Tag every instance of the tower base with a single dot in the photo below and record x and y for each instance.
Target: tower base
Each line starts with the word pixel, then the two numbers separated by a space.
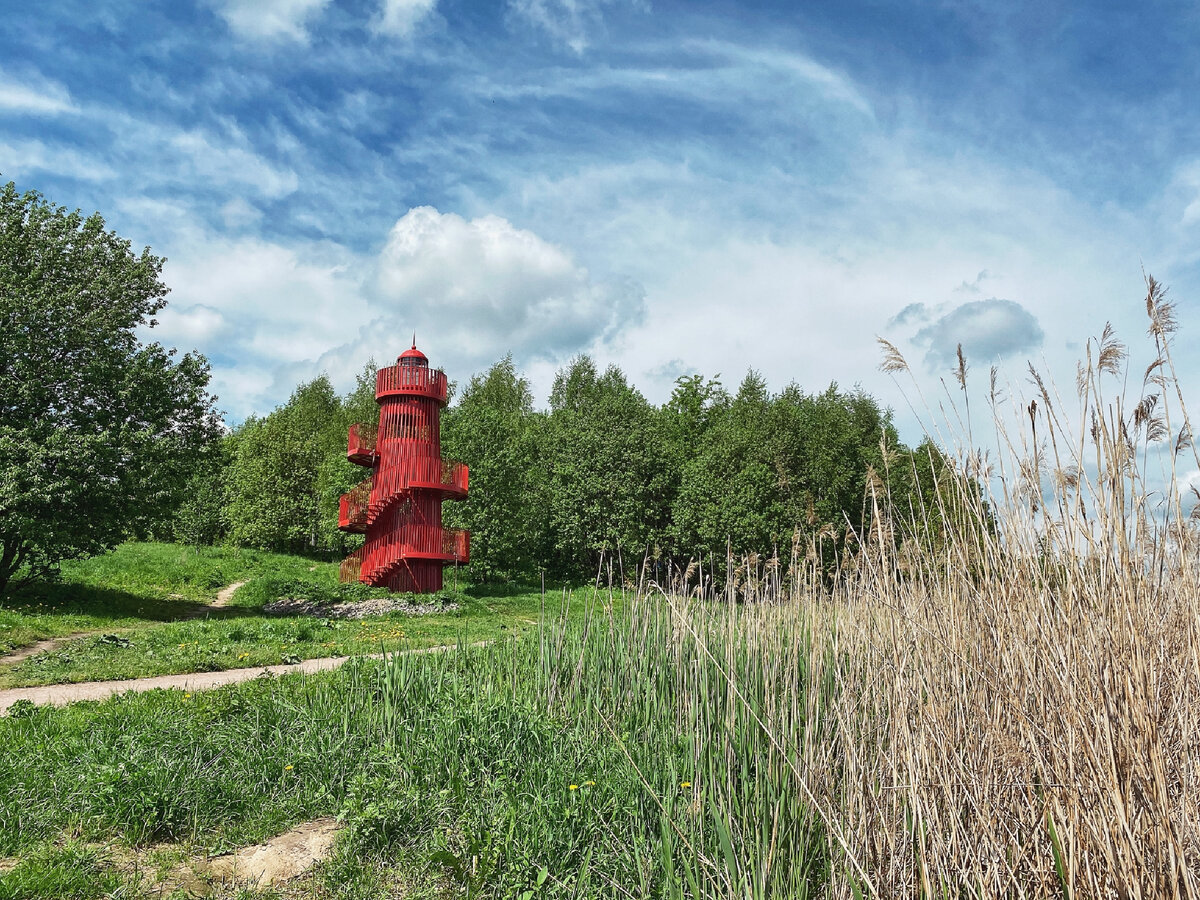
pixel 417 576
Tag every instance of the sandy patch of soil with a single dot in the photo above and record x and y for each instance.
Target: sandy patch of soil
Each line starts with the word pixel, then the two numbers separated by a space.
pixel 288 606
pixel 280 859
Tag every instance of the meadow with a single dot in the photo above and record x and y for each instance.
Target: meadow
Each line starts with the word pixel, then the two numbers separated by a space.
pixel 1003 705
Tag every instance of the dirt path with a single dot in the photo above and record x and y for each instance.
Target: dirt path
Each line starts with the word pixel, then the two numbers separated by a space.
pixel 224 595
pixel 17 656
pixel 45 646
pixel 62 694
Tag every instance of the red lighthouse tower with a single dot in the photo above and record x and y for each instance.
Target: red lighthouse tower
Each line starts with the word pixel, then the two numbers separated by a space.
pixel 399 506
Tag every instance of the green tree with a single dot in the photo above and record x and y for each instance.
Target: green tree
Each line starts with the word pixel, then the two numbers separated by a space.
pixel 494 430
pixel 287 470
pixel 99 432
pixel 272 480
pixel 200 518
pixel 607 459
pixel 771 467
pixel 729 493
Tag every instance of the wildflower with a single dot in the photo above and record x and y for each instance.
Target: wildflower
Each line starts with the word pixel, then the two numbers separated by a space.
pixel 574 787
pixel 685 784
pixel 287 768
pixel 187 696
pixel 590 783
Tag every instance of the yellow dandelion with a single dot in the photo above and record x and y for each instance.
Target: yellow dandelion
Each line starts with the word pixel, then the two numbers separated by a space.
pixel 685 784
pixel 287 768
pixel 590 783
pixel 187 696
pixel 574 787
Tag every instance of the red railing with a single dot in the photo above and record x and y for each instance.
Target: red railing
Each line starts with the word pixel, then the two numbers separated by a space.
pixel 375 561
pixel 411 531
pixel 456 545
pixel 354 507
pixel 410 470
pixel 419 380
pixel 351 567
pixel 361 443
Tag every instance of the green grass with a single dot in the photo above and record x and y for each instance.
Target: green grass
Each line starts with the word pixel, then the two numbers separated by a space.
pixel 595 745
pixel 127 599
pixel 602 750
pixel 70 872
pixel 133 585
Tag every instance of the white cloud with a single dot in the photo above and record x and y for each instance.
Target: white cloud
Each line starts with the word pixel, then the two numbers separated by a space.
pixel 472 291
pixel 189 326
pixel 269 19
pixel 568 22
pixel 34 94
pixel 264 311
pixel 238 213
pixel 489 287
pixel 400 17
pixel 21 158
pixel 202 158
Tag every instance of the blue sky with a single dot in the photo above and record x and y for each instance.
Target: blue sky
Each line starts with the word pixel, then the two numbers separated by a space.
pixel 672 187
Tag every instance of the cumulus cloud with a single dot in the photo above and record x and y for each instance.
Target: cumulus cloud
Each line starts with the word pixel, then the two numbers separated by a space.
pixel 400 17
pixel 190 326
pixel 987 330
pixel 491 287
pixel 269 19
pixel 471 289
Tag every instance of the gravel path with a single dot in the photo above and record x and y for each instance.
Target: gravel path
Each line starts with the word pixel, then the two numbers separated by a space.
pixel 62 694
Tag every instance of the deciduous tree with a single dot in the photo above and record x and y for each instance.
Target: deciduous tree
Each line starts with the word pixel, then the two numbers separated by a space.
pixel 99 431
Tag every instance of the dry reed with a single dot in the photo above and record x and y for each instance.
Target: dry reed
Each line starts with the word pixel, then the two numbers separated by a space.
pixel 1013 709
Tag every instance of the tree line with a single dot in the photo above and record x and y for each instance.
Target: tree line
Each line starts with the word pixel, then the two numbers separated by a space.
pixel 602 471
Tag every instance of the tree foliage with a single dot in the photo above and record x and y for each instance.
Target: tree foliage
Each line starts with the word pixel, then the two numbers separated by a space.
pixel 494 426
pixel 288 469
pixel 99 432
pixel 606 457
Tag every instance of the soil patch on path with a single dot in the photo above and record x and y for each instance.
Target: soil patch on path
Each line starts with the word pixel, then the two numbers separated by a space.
pixel 224 595
pixel 19 656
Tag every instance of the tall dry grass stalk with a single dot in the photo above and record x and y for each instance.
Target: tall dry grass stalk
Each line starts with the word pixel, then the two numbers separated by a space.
pixel 1013 709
